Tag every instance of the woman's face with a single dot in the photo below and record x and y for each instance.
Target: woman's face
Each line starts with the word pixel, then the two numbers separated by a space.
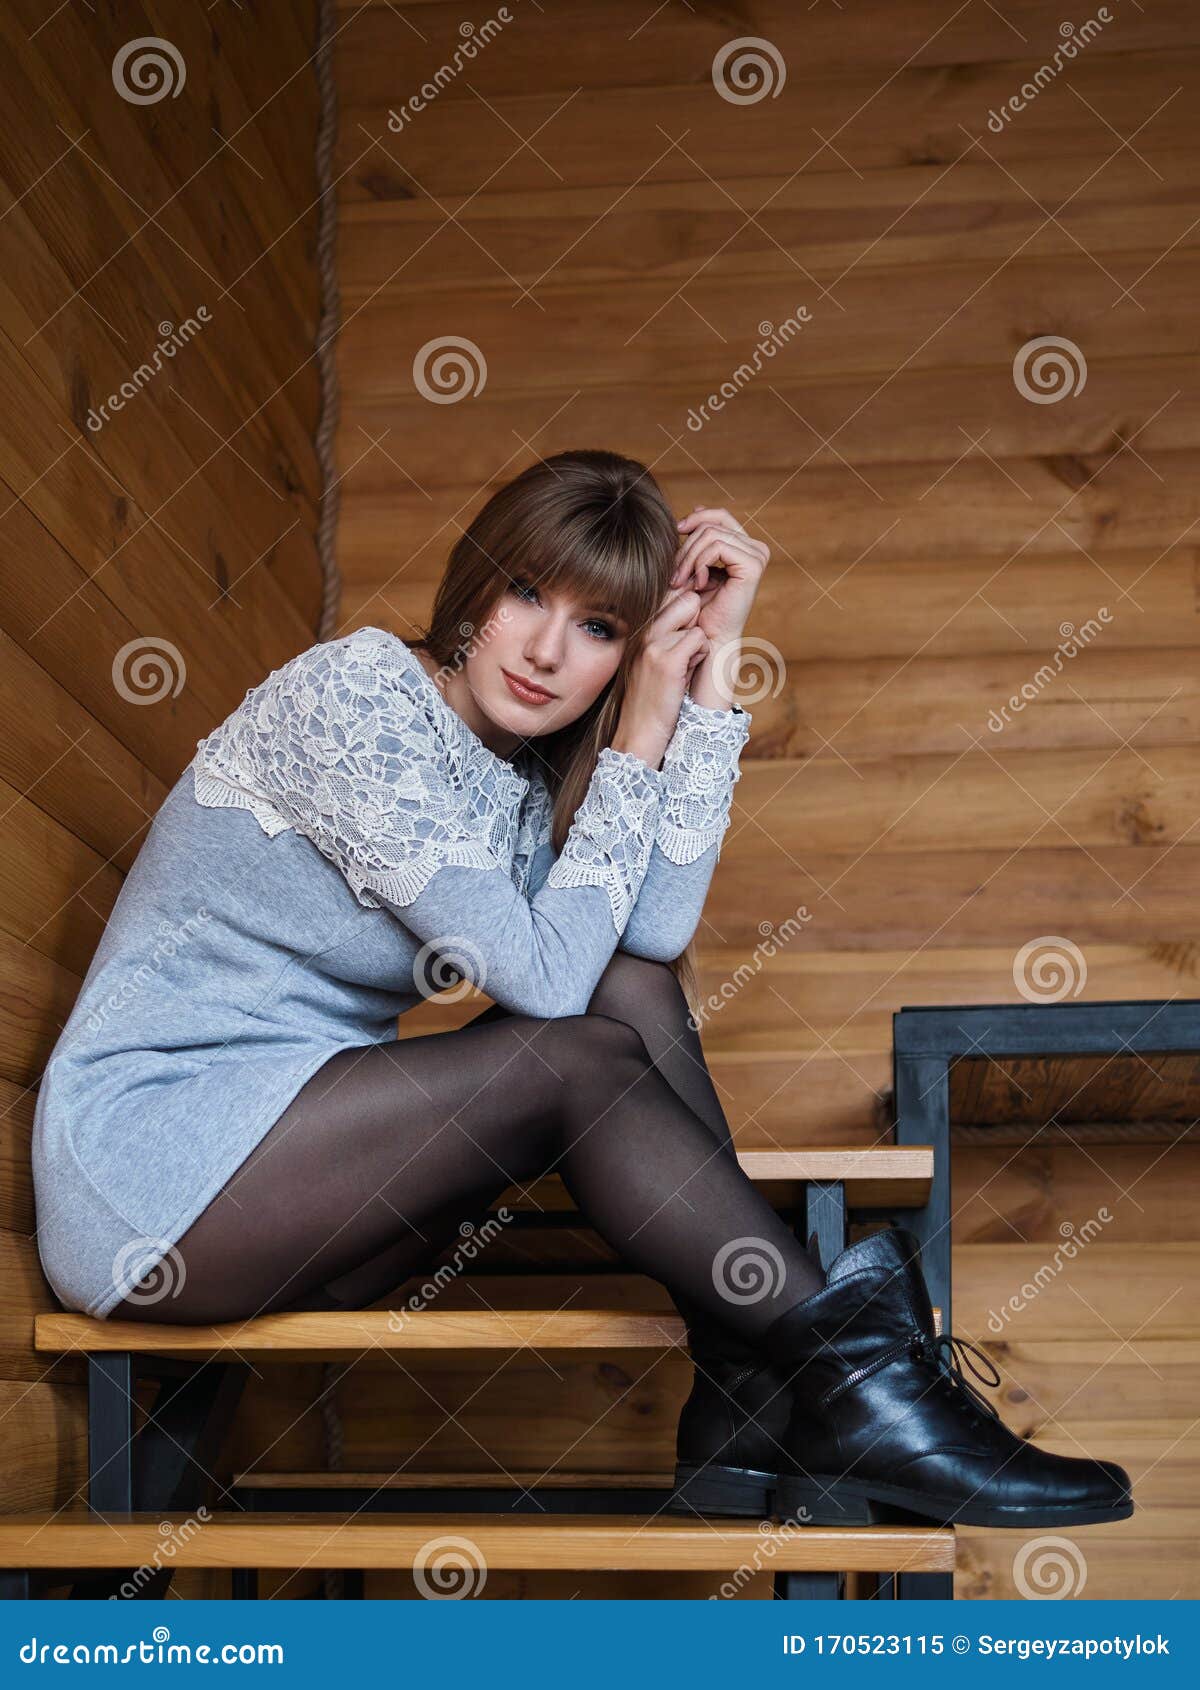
pixel 568 650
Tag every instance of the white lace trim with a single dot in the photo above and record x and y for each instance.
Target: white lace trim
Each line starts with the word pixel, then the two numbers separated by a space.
pixel 700 770
pixel 613 832
pixel 351 745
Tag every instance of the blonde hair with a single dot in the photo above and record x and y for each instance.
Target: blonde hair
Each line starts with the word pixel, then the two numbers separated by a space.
pixel 590 523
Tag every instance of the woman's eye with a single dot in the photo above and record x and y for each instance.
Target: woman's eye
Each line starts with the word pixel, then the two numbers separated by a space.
pixel 607 631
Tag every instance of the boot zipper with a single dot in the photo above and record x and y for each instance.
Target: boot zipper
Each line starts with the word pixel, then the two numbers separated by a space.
pixel 745 1373
pixel 873 1366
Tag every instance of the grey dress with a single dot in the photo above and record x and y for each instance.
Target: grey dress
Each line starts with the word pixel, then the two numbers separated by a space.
pixel 340 848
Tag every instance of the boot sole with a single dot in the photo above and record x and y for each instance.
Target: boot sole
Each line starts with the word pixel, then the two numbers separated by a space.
pixel 829 1501
pixel 722 1490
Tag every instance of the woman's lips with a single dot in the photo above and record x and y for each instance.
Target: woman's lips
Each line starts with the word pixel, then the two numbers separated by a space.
pixel 527 695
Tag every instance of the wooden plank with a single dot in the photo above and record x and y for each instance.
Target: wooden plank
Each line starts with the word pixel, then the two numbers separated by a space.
pixel 878 326
pixel 911 118
pixel 56 893
pixel 997 1091
pixel 406 1479
pixel 314 1336
pixel 66 70
pixel 228 1539
pixel 934 588
pixel 1123 1293
pixel 1118 1562
pixel 544 237
pixel 68 764
pixel 1029 1196
pixel 910 423
pixel 597 56
pixel 875 1177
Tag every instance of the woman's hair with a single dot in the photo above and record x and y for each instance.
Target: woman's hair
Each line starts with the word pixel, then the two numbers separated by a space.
pixel 590 523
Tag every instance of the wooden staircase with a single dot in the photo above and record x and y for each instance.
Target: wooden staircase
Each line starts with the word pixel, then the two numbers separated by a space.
pixel 150 1488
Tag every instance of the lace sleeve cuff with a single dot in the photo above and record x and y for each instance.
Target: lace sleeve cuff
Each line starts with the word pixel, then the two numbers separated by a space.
pixel 700 770
pixel 613 832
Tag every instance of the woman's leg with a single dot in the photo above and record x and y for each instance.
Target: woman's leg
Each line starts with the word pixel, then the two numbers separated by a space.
pixel 386 1139
pixel 648 997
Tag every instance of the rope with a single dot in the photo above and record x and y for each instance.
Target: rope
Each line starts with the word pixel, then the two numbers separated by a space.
pixel 330 323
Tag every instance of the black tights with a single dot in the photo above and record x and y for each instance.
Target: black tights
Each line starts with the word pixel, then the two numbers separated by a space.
pixel 372 1169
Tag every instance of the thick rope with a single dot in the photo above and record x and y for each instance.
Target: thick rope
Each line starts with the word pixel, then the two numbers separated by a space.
pixel 330 323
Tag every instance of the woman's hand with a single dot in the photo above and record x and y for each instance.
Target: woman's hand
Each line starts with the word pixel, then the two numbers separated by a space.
pixel 675 645
pixel 714 541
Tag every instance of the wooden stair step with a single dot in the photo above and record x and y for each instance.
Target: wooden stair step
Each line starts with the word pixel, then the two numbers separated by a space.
pixel 886 1176
pixel 344 1479
pixel 321 1336
pixel 581 1543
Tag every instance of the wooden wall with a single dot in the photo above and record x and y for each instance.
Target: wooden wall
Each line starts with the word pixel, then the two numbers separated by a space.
pixel 184 520
pixel 614 238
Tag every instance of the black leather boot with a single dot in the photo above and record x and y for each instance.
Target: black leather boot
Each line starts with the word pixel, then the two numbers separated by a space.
pixel 732 1426
pixel 884 1418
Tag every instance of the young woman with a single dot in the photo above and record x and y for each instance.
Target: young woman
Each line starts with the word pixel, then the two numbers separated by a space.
pixel 534 794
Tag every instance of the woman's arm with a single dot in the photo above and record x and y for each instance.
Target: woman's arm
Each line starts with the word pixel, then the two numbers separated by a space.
pixel 543 954
pixel 699 772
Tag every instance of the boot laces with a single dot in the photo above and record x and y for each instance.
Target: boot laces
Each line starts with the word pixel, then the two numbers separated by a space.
pixel 952 1356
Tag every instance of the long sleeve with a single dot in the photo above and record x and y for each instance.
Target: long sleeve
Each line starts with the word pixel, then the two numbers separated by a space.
pixel 543 954
pixel 351 745
pixel 699 772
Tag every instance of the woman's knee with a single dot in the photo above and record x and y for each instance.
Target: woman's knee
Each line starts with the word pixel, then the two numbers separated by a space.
pixel 591 1042
pixel 637 989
